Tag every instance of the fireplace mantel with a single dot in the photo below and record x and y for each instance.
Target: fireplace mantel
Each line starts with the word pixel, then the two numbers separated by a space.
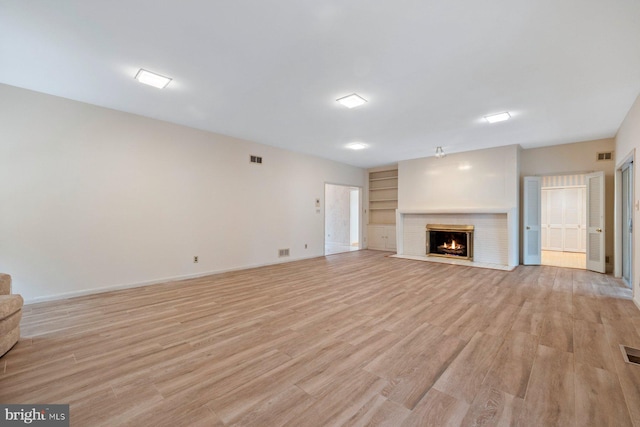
pixel 497 210
pixel 507 216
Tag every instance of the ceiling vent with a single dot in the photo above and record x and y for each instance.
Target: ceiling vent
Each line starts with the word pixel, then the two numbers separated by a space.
pixel 255 159
pixel 605 156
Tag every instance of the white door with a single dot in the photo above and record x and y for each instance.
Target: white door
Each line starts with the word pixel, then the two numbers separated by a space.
pixel 573 207
pixel 391 237
pixel 595 222
pixel 377 237
pixel 531 218
pixel 555 240
pixel 544 219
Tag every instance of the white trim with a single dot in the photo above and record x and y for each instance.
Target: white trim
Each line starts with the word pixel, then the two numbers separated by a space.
pixel 399 232
pixel 617 226
pixel 111 288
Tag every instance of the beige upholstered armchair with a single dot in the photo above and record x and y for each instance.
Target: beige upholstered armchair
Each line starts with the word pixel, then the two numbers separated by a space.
pixel 10 315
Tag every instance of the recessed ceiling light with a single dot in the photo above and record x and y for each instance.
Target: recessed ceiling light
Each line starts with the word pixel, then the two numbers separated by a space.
pixel 500 117
pixel 152 79
pixel 351 101
pixel 357 146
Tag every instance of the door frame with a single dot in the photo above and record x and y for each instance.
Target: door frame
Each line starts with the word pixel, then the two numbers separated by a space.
pixel 532 258
pixel 324 213
pixel 618 226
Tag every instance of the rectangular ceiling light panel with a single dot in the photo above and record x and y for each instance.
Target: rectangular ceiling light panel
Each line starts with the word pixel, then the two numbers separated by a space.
pixel 500 117
pixel 357 146
pixel 152 79
pixel 351 101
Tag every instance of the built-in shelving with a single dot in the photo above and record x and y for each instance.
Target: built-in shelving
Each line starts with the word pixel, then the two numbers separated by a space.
pixel 383 196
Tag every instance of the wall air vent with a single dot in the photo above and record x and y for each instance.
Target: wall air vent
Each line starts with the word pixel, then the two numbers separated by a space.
pixel 605 156
pixel 283 252
pixel 255 159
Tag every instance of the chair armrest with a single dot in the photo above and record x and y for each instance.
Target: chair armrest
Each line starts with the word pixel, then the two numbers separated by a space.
pixel 5 284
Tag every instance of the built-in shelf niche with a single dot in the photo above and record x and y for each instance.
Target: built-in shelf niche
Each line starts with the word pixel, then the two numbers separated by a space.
pixel 383 196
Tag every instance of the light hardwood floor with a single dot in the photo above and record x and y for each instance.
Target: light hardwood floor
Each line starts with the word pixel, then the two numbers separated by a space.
pixel 352 339
pixel 564 259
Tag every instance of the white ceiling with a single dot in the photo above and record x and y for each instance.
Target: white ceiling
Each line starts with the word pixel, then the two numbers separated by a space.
pixel 270 72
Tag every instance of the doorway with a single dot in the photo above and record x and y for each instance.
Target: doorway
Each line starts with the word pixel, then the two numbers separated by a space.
pixel 594 238
pixel 341 219
pixel 564 221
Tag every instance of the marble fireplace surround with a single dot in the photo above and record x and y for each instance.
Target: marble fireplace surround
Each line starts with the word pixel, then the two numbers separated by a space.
pixel 495 238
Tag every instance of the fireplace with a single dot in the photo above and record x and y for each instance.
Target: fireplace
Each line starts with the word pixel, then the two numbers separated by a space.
pixel 451 241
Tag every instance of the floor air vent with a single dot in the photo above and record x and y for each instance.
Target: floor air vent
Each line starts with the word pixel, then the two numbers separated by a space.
pixel 283 252
pixel 631 355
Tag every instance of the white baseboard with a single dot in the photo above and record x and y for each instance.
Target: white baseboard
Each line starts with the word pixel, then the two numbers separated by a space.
pixel 111 288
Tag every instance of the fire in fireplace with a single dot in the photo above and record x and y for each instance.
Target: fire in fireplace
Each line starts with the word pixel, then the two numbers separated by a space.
pixel 448 240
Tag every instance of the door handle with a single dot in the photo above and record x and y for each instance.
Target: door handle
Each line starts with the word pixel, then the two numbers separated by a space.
pixel 599 230
pixel 528 228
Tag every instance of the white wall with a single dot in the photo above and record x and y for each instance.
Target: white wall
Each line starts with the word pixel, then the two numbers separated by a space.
pixel 627 142
pixel 475 179
pixel 93 198
pixel 469 185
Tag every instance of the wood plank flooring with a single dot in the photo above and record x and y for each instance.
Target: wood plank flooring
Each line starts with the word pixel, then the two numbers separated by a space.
pixel 352 339
pixel 564 259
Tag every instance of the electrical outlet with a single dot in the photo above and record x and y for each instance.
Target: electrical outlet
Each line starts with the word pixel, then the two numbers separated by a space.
pixel 195 259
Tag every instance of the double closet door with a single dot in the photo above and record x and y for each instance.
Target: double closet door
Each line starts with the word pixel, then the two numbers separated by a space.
pixel 564 219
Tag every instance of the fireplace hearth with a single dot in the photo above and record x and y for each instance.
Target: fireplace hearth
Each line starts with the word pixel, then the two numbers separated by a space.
pixel 451 241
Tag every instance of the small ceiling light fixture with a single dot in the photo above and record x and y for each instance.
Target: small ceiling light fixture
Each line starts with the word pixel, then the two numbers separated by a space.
pixel 357 146
pixel 440 152
pixel 352 101
pixel 500 117
pixel 152 79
